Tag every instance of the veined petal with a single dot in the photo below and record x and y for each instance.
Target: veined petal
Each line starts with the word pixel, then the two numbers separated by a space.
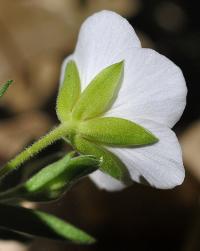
pixel 153 88
pixel 160 164
pixel 102 36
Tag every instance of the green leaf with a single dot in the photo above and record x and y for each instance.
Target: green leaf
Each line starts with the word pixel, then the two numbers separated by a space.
pixel 4 87
pixel 15 177
pixel 38 223
pixel 116 131
pixel 109 164
pixel 69 92
pixel 100 93
pixel 52 181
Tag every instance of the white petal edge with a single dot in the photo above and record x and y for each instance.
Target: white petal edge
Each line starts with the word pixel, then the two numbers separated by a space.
pixel 105 181
pixel 159 164
pixel 153 88
pixel 101 37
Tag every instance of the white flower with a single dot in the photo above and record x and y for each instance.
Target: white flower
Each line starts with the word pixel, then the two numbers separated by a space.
pixel 152 94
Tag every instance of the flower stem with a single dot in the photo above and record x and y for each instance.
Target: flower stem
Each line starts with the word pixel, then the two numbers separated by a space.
pixel 48 139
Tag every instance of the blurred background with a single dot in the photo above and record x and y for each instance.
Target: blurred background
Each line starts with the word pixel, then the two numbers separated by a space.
pixel 35 37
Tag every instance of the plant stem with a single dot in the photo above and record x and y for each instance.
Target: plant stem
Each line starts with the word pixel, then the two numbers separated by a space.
pixel 54 135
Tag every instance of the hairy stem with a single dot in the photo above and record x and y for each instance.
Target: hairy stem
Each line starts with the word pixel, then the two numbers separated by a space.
pixel 48 139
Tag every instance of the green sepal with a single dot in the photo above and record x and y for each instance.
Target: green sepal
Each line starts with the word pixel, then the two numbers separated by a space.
pixel 116 131
pixel 69 92
pixel 4 87
pixel 109 164
pixel 41 224
pixel 100 93
pixel 53 181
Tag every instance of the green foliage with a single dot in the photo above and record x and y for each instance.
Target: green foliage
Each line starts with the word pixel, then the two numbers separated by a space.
pixel 100 93
pixel 4 87
pixel 69 92
pixel 116 131
pixel 48 184
pixel 52 181
pixel 37 223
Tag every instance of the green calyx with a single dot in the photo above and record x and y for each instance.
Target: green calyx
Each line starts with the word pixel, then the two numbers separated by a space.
pixel 82 112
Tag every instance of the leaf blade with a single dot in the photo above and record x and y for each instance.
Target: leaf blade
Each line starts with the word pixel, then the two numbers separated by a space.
pixel 54 180
pixel 116 131
pixel 60 179
pixel 38 223
pixel 100 93
pixel 69 92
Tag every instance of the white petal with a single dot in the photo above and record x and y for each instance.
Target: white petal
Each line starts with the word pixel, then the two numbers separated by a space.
pixel 153 88
pixel 104 181
pixel 101 37
pixel 159 164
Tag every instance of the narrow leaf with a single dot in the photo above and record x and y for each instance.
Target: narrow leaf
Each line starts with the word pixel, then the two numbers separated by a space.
pixel 4 87
pixel 109 164
pixel 116 131
pixel 52 181
pixel 69 92
pixel 100 93
pixel 38 223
